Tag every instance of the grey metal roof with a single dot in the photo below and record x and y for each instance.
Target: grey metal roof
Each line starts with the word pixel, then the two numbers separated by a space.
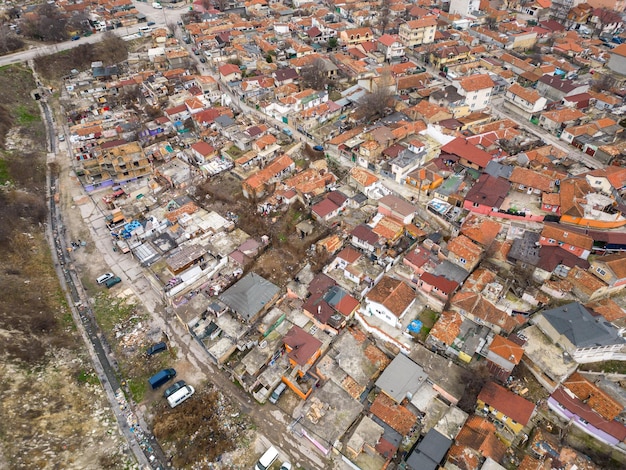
pixel 401 378
pixel 434 445
pixel 499 170
pixel 582 329
pixel 249 295
pixel 526 249
pixel 451 271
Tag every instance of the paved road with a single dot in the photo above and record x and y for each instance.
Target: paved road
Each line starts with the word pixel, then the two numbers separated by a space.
pixel 160 18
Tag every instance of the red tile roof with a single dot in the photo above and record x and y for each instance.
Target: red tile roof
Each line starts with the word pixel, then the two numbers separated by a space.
pixel 480 435
pixel 463 149
pixel 600 401
pixel 512 405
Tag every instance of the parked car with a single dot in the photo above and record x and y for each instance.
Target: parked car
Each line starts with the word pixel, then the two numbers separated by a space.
pixel 267 459
pixel 161 377
pixel 285 466
pixel 75 38
pixel 318 148
pixel 203 60
pixel 104 278
pixel 278 391
pixel 150 23
pixel 111 282
pixel 180 396
pixel 156 348
pixel 173 388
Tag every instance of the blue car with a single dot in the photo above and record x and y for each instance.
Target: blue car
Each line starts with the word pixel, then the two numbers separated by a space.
pixel 319 148
pixel 75 38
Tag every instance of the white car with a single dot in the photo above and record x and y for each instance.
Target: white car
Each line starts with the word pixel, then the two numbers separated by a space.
pixel 104 278
pixel 157 6
pixel 285 466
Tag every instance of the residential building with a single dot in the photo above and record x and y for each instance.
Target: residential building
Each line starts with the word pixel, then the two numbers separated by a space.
pixel 584 337
pixel 476 89
pixel 503 356
pixel 524 101
pixel 418 32
pixel 464 7
pixel 504 406
pixel 389 301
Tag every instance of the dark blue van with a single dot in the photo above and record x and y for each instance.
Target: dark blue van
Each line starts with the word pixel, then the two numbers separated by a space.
pixel 161 377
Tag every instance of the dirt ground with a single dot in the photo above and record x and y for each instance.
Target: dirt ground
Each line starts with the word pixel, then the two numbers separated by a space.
pixel 286 252
pixel 54 411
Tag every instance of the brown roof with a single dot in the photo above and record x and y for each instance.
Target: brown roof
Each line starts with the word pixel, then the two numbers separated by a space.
pixel 510 404
pixel 532 179
pixel 393 414
pixel 480 435
pixel 571 238
pixel 480 230
pixel 477 306
pixel 394 294
pixel 608 308
pixel 447 328
pixel 465 248
pixel 528 94
pixel 303 345
pixel 600 401
pixel 507 349
pixel 616 263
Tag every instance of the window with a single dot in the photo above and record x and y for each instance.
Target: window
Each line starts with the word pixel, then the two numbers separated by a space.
pixel 572 248
pixel 551 240
pixel 475 204
pixel 462 260
pixel 565 234
pixel 601 271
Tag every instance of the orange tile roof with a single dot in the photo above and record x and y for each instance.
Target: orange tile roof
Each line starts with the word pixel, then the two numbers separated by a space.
pixel 571 238
pixel 528 94
pixel 465 248
pixel 396 416
pixel 506 349
pixel 476 82
pixel 261 177
pixel 600 401
pixel 448 327
pixel 394 294
pixel 480 435
pixel 608 308
pixel 480 230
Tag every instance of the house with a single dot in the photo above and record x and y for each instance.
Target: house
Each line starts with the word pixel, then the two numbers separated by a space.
pixel 257 185
pixel 532 182
pixel 586 338
pixel 467 154
pixel 590 394
pixel 524 101
pixel 487 194
pixel 418 32
pixel 390 47
pixel 557 120
pixel 202 152
pixel 389 300
pixel 480 230
pixel 503 356
pixel 464 7
pixel 554 88
pixel 476 89
pixel 446 330
pixel 437 286
pixel 464 253
pixel 303 349
pixel 612 270
pixel 354 36
pixel 230 73
pixel 617 59
pixel 574 242
pixel 249 297
pixel 401 378
pixel 476 440
pixel 363 237
pixel 396 207
pixel 571 409
pixel 474 306
pixel 324 210
pixel 429 452
pixel 504 406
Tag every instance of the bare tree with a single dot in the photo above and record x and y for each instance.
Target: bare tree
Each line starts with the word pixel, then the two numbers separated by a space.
pixel 375 103
pixel 315 75
pixel 48 25
pixel 383 15
pixel 9 41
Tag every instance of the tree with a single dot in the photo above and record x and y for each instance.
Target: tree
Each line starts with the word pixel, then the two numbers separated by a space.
pixel 474 380
pixel 332 42
pixel 314 75
pixel 48 25
pixel 383 16
pixel 375 103
pixel 9 41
